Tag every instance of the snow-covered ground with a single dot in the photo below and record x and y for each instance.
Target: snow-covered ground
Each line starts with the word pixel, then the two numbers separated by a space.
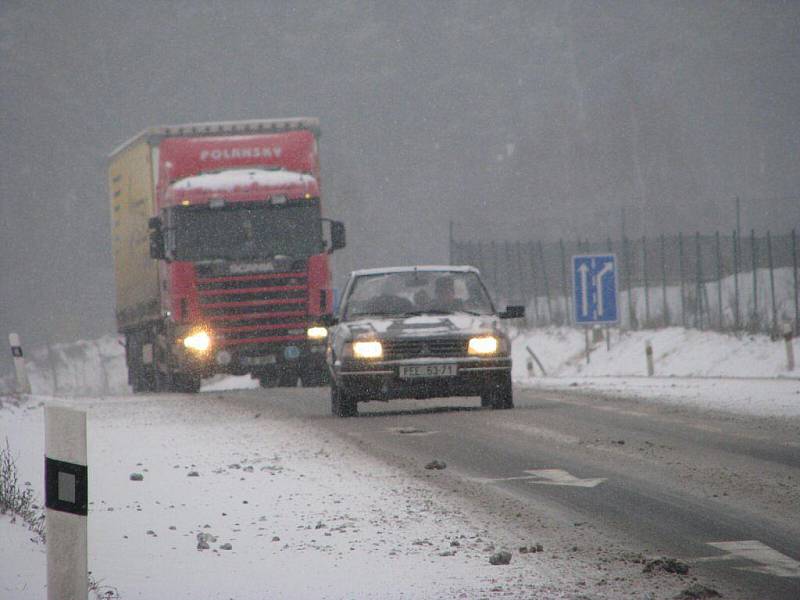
pixel 306 515
pixel 310 516
pixel 745 374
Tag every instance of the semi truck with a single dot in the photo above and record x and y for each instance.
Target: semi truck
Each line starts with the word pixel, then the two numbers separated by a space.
pixel 221 253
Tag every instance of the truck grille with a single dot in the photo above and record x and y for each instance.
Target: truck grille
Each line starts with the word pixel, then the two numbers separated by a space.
pixel 250 309
pixel 443 348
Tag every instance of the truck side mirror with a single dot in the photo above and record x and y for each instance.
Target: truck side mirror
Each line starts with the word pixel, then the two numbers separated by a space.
pixel 513 312
pixel 338 236
pixel 157 250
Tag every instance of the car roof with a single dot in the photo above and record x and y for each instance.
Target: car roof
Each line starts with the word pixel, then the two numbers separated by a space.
pixel 409 269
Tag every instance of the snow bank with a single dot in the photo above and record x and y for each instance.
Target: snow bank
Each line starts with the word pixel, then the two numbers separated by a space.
pixel 677 352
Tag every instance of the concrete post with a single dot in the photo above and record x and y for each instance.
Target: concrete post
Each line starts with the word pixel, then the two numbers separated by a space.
pixel 66 499
pixel 787 336
pixel 23 385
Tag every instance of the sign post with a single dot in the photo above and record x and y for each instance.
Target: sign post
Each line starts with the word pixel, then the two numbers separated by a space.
pixel 66 499
pixel 23 385
pixel 594 287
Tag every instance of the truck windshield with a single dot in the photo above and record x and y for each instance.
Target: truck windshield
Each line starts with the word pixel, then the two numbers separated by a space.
pixel 243 231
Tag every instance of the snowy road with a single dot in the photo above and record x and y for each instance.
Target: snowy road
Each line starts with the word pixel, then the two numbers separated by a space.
pixel 317 507
pixel 720 491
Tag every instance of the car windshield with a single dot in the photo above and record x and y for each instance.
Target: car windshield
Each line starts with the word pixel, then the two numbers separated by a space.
pixel 406 293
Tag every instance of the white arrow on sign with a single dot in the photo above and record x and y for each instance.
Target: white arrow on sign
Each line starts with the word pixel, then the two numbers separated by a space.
pixel 583 269
pixel 551 477
pixel 608 267
pixel 768 560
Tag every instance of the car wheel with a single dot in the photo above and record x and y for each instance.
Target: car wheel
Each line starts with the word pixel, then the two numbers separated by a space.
pixel 499 396
pixel 342 403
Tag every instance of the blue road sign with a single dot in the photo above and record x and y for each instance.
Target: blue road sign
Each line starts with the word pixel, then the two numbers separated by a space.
pixel 594 296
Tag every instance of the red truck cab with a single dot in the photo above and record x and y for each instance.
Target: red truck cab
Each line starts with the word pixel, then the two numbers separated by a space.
pixel 243 258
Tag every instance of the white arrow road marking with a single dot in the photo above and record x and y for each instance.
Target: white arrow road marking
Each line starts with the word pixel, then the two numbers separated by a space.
pixel 608 267
pixel 583 269
pixel 560 477
pixel 768 560
pixel 549 477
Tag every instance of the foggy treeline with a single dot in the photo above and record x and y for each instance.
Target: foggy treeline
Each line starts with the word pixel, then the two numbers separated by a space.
pixel 512 119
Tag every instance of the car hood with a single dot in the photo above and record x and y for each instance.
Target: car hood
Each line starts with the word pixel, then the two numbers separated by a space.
pixel 422 326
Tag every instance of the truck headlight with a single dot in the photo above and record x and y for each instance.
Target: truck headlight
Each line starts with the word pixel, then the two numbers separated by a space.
pixel 317 333
pixel 199 341
pixel 367 349
pixel 486 344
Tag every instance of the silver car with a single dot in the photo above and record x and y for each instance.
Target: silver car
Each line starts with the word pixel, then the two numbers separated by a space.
pixel 418 332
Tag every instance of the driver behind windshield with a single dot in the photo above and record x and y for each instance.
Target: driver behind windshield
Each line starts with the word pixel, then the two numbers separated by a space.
pixel 445 296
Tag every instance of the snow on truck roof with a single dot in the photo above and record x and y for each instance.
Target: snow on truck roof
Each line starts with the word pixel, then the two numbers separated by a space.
pixel 240 178
pixel 386 270
pixel 253 126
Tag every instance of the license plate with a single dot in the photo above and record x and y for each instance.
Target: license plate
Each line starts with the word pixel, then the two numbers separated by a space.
pixel 411 371
pixel 258 360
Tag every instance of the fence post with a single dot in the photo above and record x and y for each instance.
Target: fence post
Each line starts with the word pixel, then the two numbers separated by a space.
pixel 523 289
pixel 736 322
pixel 754 254
pixel 534 289
pixel 720 320
pixel 451 244
pixel 664 305
pixel 495 281
pixel 627 258
pixel 699 281
pixel 796 288
pixel 683 279
pixel 772 285
pixel 546 283
pixel 509 284
pixel 646 286
pixel 564 291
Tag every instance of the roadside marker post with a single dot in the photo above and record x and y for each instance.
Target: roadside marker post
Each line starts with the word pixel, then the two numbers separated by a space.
pixel 66 501
pixel 648 352
pixel 23 384
pixel 595 292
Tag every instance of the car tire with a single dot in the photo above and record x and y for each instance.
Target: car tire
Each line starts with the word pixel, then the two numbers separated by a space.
pixel 342 403
pixel 499 396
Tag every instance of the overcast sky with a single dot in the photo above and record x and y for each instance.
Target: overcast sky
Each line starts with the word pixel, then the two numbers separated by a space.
pixel 516 120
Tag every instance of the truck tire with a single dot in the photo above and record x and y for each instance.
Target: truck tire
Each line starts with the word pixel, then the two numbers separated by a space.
pixel 287 377
pixel 499 396
pixel 186 383
pixel 314 376
pixel 342 403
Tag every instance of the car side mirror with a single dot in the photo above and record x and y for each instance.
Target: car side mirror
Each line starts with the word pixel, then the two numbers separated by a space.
pixel 328 320
pixel 157 249
pixel 513 312
pixel 338 236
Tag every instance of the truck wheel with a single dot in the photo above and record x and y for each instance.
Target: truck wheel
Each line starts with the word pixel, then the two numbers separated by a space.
pixel 314 376
pixel 287 377
pixel 268 380
pixel 342 403
pixel 186 383
pixel 499 396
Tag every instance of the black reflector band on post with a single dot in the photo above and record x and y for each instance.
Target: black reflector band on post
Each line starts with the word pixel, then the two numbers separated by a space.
pixel 16 351
pixel 66 486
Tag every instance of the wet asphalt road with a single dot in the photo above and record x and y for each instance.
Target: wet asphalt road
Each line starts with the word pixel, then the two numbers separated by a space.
pixel 661 479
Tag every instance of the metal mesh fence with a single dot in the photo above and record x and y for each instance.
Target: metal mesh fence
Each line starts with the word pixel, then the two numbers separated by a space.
pixel 715 281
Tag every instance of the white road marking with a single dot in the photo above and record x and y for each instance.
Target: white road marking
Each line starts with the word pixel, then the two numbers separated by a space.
pixel 549 477
pixel 410 431
pixel 768 560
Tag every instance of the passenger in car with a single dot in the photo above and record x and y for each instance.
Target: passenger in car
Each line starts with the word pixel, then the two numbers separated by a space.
pixel 445 295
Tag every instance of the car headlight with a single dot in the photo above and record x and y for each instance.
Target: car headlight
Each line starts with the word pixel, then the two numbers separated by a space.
pixel 367 349
pixel 487 344
pixel 199 341
pixel 317 333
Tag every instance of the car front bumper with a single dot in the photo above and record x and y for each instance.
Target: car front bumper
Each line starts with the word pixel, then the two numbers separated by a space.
pixel 380 380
